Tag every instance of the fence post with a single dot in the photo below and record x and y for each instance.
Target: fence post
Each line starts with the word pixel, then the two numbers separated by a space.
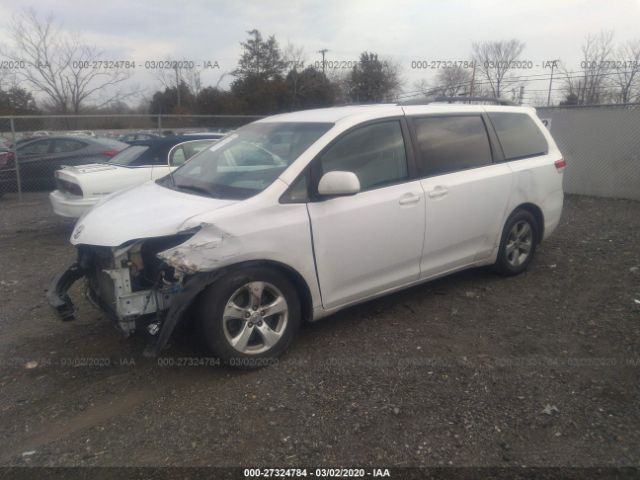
pixel 159 124
pixel 15 158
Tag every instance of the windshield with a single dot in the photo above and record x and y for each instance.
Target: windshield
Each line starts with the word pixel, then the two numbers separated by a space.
pixel 128 155
pixel 247 161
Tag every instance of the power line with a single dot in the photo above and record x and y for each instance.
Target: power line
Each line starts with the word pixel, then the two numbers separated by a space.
pixel 512 80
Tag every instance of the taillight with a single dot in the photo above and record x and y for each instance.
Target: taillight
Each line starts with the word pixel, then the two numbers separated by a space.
pixel 109 153
pixel 70 187
pixel 560 164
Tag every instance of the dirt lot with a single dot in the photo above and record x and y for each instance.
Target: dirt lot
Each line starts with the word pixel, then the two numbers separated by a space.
pixel 538 370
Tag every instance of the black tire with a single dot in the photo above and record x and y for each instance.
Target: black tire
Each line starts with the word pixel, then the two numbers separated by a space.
pixel 216 331
pixel 506 263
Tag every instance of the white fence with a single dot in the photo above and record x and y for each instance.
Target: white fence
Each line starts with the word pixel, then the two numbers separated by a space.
pixel 601 145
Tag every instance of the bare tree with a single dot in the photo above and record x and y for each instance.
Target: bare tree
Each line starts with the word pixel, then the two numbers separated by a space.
pixel 3 78
pixel 294 57
pixel 174 73
pixel 571 84
pixel 59 66
pixel 627 71
pixel 453 81
pixel 495 61
pixel 423 87
pixel 596 67
pixel 194 80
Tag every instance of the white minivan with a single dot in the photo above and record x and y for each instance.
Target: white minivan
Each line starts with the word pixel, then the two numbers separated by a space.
pixel 298 215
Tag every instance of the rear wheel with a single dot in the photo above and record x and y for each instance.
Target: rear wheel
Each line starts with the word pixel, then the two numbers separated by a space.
pixel 249 317
pixel 518 243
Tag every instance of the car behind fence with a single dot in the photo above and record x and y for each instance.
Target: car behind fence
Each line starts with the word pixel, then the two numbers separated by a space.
pixel 32 146
pixel 601 144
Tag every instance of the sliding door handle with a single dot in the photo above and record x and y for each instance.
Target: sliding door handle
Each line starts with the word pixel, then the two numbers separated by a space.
pixel 438 192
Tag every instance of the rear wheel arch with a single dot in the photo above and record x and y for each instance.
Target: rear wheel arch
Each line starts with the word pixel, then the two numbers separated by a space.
pixel 536 211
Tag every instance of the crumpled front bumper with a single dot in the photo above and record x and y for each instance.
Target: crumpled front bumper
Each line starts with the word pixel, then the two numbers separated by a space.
pixel 111 290
pixel 57 293
pixel 113 296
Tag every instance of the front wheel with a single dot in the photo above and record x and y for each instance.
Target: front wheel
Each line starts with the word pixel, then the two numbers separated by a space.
pixel 518 243
pixel 249 316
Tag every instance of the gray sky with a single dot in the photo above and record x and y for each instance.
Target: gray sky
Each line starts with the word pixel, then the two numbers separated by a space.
pixel 402 30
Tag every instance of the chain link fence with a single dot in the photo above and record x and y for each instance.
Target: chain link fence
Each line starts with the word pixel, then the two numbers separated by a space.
pixel 601 145
pixel 33 147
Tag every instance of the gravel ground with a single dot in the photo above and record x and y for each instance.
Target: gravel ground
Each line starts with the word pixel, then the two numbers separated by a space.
pixel 473 369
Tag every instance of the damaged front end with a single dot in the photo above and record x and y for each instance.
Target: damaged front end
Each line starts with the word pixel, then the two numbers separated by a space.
pixel 129 283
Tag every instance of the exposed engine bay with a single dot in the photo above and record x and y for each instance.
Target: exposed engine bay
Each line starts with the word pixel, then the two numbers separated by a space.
pixel 127 282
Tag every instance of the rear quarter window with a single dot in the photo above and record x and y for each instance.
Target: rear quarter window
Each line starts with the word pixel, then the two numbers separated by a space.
pixel 519 136
pixel 130 156
pixel 154 155
pixel 449 144
pixel 65 145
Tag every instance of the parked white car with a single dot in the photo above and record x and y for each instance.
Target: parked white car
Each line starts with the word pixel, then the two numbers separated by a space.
pixel 299 215
pixel 80 187
pixel 82 133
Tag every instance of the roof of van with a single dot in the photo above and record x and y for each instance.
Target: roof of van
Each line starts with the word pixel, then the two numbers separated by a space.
pixel 335 114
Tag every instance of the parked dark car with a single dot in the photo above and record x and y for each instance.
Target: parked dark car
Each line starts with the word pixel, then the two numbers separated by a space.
pixel 40 157
pixel 136 137
pixel 155 151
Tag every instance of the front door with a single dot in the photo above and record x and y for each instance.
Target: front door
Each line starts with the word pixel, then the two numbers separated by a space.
pixel 372 241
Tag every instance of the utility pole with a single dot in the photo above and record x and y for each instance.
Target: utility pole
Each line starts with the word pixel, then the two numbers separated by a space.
pixel 521 94
pixel 322 52
pixel 553 64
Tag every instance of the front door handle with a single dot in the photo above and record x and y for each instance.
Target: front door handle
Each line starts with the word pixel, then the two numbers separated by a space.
pixel 409 199
pixel 438 192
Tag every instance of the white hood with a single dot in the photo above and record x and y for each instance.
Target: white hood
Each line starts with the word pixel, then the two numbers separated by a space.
pixel 146 211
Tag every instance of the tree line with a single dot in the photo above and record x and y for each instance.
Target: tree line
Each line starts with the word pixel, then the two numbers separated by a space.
pixel 269 79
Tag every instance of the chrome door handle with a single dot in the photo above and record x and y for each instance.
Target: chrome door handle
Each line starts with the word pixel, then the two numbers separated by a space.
pixel 438 192
pixel 409 199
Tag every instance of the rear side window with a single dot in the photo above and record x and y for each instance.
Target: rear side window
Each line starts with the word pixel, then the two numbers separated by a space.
pixel 519 136
pixel 449 144
pixel 35 148
pixel 129 156
pixel 155 155
pixel 67 145
pixel 375 153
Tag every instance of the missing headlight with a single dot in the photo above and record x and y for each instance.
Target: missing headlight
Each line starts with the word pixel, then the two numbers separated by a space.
pixel 147 270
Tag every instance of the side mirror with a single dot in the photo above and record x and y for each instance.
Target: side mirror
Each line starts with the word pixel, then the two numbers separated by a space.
pixel 339 183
